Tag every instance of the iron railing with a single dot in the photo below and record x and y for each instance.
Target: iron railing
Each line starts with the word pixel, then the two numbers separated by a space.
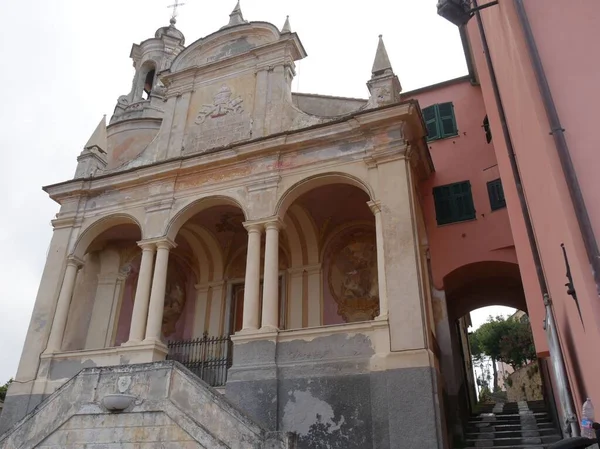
pixel 209 358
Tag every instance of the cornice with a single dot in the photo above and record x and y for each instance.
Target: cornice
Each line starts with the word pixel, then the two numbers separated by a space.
pixel 357 124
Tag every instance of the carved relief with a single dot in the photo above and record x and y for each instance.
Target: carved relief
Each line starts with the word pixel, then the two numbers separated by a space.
pixel 221 123
pixel 223 104
pixel 352 276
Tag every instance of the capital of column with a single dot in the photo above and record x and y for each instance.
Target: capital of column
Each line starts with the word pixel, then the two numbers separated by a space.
pixel 375 206
pixel 147 245
pixel 253 227
pixel 159 242
pixel 75 261
pixel 275 224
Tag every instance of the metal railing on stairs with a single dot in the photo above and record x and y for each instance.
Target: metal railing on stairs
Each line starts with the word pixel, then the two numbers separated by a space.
pixel 209 358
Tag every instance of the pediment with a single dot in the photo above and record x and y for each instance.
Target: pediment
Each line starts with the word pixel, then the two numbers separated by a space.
pixel 226 43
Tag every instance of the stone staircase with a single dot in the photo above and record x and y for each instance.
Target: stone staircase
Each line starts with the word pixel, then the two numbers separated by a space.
pixel 512 425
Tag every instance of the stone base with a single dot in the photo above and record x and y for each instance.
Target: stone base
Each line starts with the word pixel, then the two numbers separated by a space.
pixel 167 407
pixel 324 390
pixel 57 368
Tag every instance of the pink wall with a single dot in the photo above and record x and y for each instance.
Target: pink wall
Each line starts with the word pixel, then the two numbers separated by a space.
pixel 465 157
pixel 562 33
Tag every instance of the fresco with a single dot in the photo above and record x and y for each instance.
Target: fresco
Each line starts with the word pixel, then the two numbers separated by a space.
pixel 352 275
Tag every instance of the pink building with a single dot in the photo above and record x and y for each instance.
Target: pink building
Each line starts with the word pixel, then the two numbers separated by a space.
pixel 537 85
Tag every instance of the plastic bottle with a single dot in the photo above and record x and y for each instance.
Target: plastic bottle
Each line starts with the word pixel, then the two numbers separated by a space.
pixel 587 419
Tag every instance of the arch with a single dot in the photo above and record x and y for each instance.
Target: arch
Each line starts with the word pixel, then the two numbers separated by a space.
pixel 310 183
pixel 202 256
pixel 308 231
pixel 197 206
pixel 97 227
pixel 147 67
pixel 293 237
pixel 212 247
pixel 225 43
pixel 483 284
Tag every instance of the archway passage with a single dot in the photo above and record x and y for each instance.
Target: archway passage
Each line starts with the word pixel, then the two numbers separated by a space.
pixel 111 260
pixel 483 284
pixel 330 233
pixel 469 288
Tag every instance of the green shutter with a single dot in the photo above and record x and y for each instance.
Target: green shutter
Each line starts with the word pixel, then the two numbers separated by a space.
pixel 443 207
pixel 431 122
pixel 447 120
pixel 453 202
pixel 496 194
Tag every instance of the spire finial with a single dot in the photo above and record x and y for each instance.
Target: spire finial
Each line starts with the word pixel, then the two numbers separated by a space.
pixel 286 26
pixel 236 17
pixel 381 65
pixel 175 6
pixel 98 139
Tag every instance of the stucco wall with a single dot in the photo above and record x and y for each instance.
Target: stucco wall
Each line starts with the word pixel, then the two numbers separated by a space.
pixel 547 195
pixel 466 157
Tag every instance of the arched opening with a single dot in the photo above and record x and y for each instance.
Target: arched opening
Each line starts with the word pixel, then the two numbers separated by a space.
pixel 148 84
pixel 330 233
pixel 145 80
pixel 471 294
pixel 111 257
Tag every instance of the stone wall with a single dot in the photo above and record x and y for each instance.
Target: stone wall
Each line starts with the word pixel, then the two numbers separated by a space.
pixel 524 384
pixel 152 406
pixel 325 391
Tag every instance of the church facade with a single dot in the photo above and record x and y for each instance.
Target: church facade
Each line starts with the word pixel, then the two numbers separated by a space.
pixel 274 243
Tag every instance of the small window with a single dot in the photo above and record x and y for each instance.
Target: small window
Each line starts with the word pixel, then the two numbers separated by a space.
pixel 440 121
pixel 148 84
pixel 453 203
pixel 486 128
pixel 496 194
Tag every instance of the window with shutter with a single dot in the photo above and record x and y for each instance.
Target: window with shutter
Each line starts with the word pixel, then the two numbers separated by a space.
pixel 447 120
pixel 496 194
pixel 440 121
pixel 453 203
pixel 431 122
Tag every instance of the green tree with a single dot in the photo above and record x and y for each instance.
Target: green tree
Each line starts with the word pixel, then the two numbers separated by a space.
pixel 516 347
pixel 3 389
pixel 506 340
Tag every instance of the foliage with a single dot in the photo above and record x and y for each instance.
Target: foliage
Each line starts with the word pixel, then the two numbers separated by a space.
pixel 506 340
pixel 3 389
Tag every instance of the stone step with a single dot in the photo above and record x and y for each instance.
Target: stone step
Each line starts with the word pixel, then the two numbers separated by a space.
pixel 512 442
pixel 516 433
pixel 494 427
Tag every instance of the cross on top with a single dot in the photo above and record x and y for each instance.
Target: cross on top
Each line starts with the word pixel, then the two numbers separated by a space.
pixel 175 6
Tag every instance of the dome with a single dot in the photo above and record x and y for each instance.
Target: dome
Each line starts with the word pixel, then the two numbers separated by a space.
pixel 170 31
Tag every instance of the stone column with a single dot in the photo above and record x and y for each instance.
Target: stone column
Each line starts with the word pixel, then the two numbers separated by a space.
pixel 142 294
pixel 252 281
pixel 62 307
pixel 157 296
pixel 270 309
pixel 314 284
pixel 200 310
pixel 383 302
pixel 297 294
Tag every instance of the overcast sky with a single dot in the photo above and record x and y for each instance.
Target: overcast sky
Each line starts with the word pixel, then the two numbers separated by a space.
pixel 65 63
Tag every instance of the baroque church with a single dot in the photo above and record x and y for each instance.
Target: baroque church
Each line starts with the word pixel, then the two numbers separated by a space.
pixel 235 265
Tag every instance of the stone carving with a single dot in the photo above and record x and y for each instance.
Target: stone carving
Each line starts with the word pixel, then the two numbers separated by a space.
pixel 353 276
pixel 175 298
pixel 123 383
pixel 221 123
pixel 223 104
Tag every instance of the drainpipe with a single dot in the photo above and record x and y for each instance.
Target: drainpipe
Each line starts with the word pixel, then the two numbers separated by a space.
pixel 562 148
pixel 570 423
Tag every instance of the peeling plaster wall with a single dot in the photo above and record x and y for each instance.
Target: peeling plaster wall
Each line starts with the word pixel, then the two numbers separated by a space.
pixel 325 391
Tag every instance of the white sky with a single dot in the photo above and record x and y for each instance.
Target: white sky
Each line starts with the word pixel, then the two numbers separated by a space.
pixel 65 63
